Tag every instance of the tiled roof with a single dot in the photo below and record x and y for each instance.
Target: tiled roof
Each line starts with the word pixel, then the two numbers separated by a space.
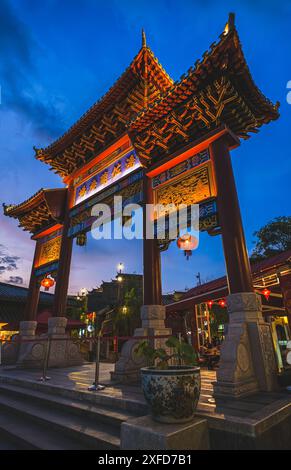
pixel 14 293
pixel 220 284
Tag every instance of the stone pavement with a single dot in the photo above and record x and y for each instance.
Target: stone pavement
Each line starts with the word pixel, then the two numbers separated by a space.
pixel 78 378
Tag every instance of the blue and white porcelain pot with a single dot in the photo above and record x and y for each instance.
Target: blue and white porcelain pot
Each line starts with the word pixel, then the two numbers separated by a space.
pixel 172 393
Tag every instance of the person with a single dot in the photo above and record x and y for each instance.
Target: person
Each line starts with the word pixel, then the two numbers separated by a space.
pixel 213 356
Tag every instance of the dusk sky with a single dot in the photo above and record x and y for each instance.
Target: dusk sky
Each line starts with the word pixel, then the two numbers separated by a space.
pixel 57 57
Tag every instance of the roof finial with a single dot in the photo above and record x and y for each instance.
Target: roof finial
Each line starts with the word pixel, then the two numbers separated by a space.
pixel 144 39
pixel 230 24
pixel 231 20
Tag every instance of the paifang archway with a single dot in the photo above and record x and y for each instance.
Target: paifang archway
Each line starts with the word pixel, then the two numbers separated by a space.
pixel 145 139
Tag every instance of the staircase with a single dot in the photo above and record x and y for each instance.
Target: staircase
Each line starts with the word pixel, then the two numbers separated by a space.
pixel 36 418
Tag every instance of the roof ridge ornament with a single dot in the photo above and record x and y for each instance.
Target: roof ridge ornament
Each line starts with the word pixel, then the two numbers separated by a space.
pixel 230 25
pixel 143 38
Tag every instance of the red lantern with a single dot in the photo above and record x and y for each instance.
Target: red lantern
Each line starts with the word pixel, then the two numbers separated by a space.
pixel 266 293
pixel 47 283
pixel 187 242
pixel 210 303
pixel 222 303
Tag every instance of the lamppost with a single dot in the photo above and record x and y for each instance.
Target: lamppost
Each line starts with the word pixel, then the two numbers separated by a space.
pixel 120 269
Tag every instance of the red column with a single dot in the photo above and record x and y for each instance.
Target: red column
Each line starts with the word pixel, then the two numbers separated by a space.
pixel 235 252
pixel 152 290
pixel 31 306
pixel 63 273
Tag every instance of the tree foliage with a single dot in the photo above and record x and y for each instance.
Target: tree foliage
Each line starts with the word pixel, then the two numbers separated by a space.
pixel 273 238
pixel 127 316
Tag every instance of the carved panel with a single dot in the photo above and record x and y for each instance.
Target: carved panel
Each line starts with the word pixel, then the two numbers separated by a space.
pixel 189 189
pixel 49 251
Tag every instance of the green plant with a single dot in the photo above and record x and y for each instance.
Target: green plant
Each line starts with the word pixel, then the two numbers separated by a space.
pixel 178 351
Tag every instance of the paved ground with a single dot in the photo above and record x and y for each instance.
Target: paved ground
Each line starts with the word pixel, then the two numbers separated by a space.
pixel 79 378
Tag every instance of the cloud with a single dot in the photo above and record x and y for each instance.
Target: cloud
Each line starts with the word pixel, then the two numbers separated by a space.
pixel 15 280
pixel 7 262
pixel 21 87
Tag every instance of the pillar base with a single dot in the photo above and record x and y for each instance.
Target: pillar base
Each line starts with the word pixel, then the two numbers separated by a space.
pixel 25 349
pixel 146 434
pixel 247 362
pixel 63 351
pixel 127 368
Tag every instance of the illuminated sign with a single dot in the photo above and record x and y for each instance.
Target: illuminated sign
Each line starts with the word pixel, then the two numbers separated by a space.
pixel 109 175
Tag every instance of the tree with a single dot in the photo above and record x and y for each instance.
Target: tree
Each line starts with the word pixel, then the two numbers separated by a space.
pixel 273 238
pixel 127 316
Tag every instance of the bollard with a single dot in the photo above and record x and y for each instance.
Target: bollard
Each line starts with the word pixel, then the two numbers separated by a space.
pixel 44 377
pixel 95 387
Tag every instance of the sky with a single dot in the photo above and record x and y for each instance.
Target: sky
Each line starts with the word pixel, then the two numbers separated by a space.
pixel 57 57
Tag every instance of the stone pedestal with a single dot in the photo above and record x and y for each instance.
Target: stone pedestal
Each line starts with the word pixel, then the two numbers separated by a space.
pixel 27 329
pixel 146 434
pixel 25 349
pixel 57 326
pixel 63 352
pixel 247 362
pixel 127 368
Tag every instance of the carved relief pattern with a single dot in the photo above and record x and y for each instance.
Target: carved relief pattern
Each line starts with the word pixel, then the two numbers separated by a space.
pixel 191 162
pixel 247 301
pixel 267 349
pixel 190 189
pixel 49 251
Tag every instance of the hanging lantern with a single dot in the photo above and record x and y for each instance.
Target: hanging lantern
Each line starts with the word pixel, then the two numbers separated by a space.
pixel 266 293
pixel 210 303
pixel 187 242
pixel 81 239
pixel 222 303
pixel 47 282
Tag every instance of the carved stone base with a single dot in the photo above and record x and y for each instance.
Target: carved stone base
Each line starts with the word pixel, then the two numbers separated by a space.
pixel 247 362
pixel 26 338
pixel 63 352
pixel 127 368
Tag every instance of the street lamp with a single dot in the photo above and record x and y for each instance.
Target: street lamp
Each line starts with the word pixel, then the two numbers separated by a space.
pixel 83 292
pixel 120 268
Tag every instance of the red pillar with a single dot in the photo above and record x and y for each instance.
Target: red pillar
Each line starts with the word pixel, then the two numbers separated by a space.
pixel 235 252
pixel 31 306
pixel 152 290
pixel 63 273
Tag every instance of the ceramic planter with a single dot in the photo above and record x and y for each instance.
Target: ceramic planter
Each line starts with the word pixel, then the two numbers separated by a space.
pixel 173 393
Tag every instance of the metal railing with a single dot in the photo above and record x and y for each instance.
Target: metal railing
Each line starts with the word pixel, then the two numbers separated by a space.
pixel 96 386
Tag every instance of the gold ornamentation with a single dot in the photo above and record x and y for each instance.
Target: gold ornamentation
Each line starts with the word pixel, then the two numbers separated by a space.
pixel 104 177
pixel 186 190
pixel 83 191
pixel 93 185
pixel 130 161
pixel 49 251
pixel 116 169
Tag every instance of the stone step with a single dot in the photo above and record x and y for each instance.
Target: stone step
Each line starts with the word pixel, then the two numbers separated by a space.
pixel 129 405
pixel 19 434
pixel 93 412
pixel 95 436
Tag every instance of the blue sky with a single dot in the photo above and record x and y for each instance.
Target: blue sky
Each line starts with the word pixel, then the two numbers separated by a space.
pixel 58 57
